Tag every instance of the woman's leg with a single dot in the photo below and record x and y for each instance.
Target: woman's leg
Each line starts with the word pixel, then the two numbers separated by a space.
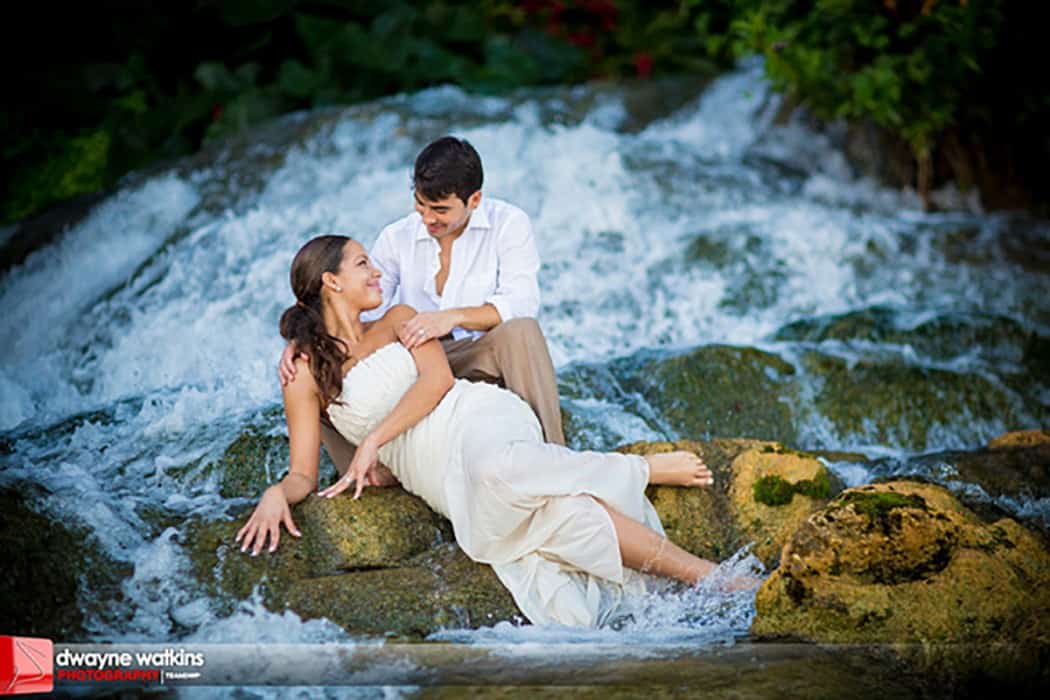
pixel 646 550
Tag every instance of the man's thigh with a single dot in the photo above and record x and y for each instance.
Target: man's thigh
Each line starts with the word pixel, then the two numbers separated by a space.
pixel 472 359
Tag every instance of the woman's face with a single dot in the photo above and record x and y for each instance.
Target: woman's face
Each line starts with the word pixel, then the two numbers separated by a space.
pixel 357 280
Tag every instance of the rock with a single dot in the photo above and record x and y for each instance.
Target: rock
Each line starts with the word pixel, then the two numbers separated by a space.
pixel 439 588
pixel 384 528
pixel 903 562
pixel 252 462
pixel 716 391
pixel 1020 439
pixel 50 569
pixel 258 457
pixel 1015 467
pixel 887 402
pixel 773 490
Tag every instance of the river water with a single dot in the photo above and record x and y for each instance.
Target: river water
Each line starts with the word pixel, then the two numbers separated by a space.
pixel 143 340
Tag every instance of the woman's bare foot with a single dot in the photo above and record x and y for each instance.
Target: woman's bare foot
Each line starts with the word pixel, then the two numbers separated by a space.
pixel 678 469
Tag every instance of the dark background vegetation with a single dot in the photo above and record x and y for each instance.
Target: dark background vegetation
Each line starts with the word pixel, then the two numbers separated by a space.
pixel 99 89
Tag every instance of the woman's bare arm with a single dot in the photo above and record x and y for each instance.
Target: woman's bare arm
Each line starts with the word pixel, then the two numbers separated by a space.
pixel 302 405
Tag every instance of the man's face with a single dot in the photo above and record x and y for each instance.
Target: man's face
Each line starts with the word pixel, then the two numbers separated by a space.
pixel 447 216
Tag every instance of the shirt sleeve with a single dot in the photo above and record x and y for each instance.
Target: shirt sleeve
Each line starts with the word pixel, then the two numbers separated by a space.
pixel 517 292
pixel 384 257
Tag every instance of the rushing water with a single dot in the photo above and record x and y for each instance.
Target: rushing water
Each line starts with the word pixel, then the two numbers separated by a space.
pixel 144 338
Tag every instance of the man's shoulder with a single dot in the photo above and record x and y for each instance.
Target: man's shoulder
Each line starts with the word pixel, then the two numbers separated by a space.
pixel 505 218
pixel 502 209
pixel 403 229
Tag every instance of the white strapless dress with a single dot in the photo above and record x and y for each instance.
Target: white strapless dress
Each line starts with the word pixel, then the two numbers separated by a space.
pixel 523 506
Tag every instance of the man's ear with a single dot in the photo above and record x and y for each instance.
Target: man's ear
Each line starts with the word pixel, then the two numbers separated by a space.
pixel 474 200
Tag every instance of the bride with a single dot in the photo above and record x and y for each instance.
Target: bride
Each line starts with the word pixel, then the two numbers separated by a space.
pixel 566 532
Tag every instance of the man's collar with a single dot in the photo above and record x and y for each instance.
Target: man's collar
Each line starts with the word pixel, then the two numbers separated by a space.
pixel 479 219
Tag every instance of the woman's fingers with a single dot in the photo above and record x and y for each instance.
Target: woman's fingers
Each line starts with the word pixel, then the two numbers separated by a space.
pixel 275 536
pixel 249 532
pixel 289 523
pixel 337 488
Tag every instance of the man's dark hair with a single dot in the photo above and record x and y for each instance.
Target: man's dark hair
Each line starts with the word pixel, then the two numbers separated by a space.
pixel 448 166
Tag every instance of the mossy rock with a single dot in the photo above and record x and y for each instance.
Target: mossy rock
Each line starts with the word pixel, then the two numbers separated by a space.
pixel 716 391
pixel 384 528
pixel 890 403
pixel 903 562
pixel 1015 466
pixel 773 490
pixel 1020 440
pixel 48 566
pixel 440 588
pixel 252 462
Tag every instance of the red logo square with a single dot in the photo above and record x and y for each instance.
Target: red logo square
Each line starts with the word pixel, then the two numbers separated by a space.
pixel 26 665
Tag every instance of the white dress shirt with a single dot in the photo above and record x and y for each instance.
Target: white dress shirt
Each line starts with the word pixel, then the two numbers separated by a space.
pixel 494 261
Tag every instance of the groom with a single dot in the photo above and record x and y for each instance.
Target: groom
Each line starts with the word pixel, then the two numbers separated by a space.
pixel 468 265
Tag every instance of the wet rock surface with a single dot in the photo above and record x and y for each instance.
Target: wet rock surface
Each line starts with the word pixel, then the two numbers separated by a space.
pixel 906 563
pixel 394 567
pixel 49 569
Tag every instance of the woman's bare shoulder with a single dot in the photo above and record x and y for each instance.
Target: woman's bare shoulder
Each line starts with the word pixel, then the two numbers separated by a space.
pixel 399 313
pixel 303 384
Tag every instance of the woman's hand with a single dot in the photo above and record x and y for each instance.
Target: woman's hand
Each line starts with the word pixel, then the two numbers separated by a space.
pixel 266 520
pixel 361 470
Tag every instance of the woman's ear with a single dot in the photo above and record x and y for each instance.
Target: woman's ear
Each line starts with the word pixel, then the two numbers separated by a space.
pixel 329 280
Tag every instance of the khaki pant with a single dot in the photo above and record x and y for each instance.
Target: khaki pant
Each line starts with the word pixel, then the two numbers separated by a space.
pixel 514 355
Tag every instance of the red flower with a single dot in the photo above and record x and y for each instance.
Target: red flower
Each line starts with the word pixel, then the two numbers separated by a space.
pixel 216 112
pixel 533 7
pixel 643 64
pixel 583 38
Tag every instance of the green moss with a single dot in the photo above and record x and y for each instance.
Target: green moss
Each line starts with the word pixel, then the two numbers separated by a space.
pixel 888 402
pixel 879 504
pixel 772 490
pixel 716 390
pixel 817 487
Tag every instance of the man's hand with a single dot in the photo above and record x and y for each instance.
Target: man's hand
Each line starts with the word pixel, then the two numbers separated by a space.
pixel 286 367
pixel 426 326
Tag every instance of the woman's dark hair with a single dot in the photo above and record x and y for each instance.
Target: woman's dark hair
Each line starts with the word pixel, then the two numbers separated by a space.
pixel 448 166
pixel 303 323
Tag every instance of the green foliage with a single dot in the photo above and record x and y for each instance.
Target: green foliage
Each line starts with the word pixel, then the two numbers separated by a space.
pixel 773 490
pixel 917 69
pixel 142 85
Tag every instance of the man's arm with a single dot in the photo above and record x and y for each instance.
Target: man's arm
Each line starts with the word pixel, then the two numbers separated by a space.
pixel 517 291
